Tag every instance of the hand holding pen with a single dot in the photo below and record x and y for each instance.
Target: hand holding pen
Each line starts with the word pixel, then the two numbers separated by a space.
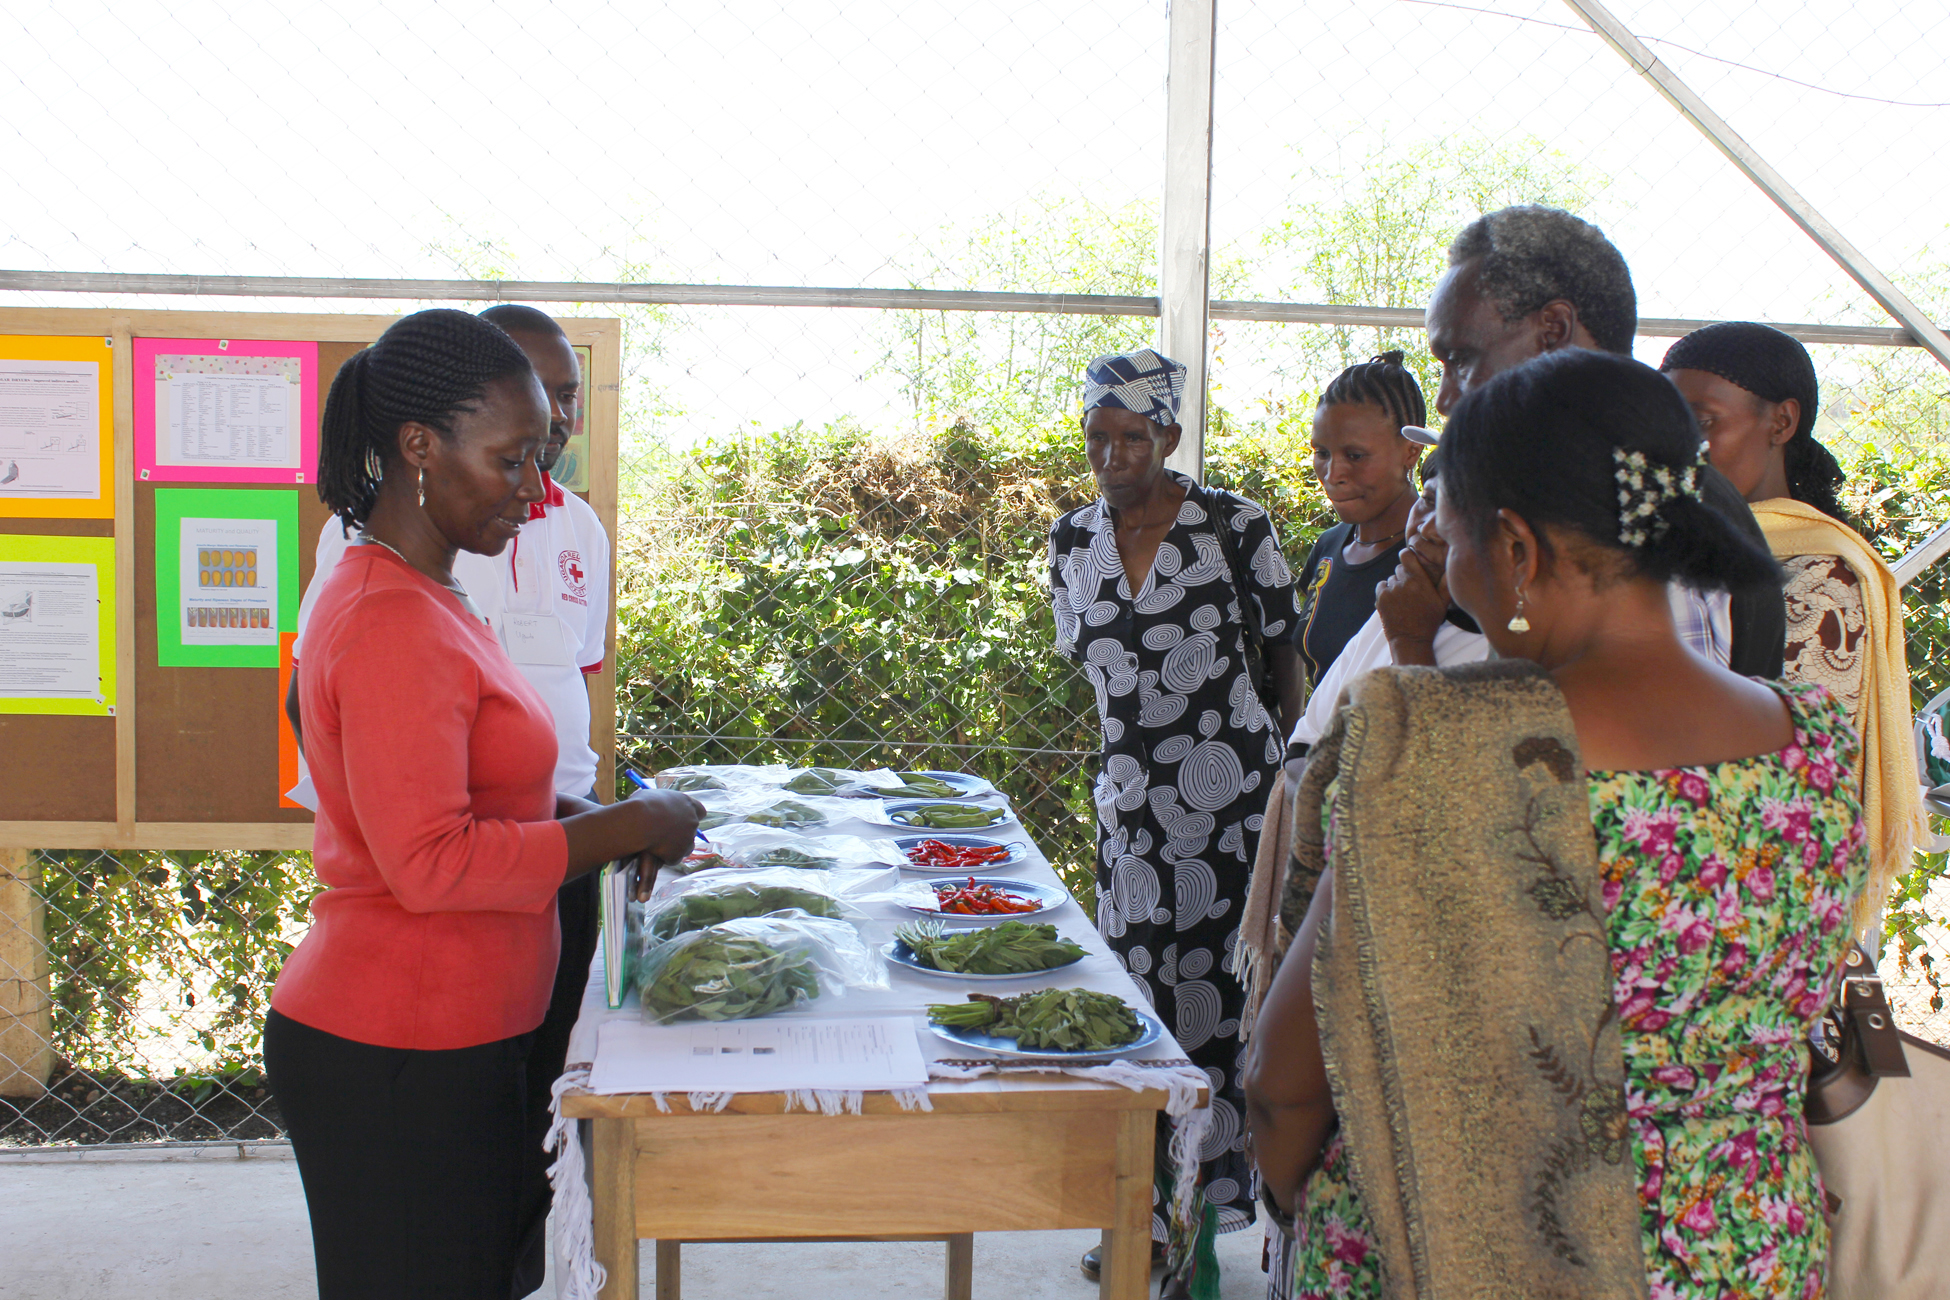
pixel 683 814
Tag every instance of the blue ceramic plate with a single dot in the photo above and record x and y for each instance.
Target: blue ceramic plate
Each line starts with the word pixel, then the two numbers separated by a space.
pixel 1050 896
pixel 902 955
pixel 1018 851
pixel 901 814
pixel 1006 1047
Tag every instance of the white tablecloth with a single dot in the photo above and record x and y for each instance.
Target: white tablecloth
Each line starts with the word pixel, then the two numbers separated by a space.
pixel 909 992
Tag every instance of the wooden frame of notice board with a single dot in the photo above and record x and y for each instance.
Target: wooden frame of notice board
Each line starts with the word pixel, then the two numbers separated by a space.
pixel 181 747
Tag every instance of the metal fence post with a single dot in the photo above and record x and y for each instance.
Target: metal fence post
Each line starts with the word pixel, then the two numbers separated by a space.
pixel 26 1019
pixel 1184 271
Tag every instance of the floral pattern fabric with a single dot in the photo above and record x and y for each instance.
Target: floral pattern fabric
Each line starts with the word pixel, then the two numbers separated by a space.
pixel 1728 889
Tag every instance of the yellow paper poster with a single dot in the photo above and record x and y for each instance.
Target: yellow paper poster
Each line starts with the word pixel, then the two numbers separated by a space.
pixel 57 625
pixel 57 443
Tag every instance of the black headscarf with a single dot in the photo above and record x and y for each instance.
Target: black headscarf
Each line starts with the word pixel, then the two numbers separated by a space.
pixel 1773 367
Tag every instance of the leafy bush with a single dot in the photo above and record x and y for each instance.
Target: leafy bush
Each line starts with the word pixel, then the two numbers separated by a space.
pixel 822 596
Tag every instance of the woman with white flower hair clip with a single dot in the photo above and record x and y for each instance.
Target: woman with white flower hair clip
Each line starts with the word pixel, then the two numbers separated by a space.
pixel 1562 921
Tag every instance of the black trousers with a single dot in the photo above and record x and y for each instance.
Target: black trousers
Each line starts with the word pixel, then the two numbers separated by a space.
pixel 576 903
pixel 413 1162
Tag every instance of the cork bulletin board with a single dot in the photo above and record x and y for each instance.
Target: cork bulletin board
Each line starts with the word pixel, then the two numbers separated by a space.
pixel 172 735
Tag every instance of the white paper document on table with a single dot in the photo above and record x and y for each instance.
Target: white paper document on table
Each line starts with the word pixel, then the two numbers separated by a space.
pixel 758 1056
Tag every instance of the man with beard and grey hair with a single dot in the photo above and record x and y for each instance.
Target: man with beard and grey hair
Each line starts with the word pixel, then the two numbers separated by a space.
pixel 1528 280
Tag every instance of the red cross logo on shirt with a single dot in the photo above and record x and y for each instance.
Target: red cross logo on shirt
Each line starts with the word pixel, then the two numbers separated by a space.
pixel 569 564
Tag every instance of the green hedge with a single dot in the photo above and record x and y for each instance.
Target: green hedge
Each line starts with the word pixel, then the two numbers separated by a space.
pixel 810 595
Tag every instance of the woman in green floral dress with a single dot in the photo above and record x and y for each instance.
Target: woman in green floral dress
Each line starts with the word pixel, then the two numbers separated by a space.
pixel 1729 847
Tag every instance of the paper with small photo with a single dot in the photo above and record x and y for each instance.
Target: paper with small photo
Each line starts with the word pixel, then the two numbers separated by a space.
pixel 229 584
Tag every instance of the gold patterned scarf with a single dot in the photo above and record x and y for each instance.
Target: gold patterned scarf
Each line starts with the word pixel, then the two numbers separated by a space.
pixel 1463 987
pixel 1892 806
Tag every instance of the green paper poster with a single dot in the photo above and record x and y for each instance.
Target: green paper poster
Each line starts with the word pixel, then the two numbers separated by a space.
pixel 226 575
pixel 57 624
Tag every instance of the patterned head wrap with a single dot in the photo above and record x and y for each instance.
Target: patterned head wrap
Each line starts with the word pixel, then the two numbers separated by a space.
pixel 1140 381
pixel 1759 358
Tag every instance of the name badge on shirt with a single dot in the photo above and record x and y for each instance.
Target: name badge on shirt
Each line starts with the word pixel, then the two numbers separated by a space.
pixel 535 639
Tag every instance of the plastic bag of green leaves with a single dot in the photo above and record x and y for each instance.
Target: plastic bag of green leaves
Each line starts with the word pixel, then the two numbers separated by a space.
pixel 753 966
pixel 727 902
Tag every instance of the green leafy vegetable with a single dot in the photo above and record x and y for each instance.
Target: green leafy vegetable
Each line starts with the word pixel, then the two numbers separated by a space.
pixel 696 781
pixel 818 780
pixel 787 814
pixel 710 975
pixel 790 857
pixel 1011 948
pixel 708 907
pixel 1062 1020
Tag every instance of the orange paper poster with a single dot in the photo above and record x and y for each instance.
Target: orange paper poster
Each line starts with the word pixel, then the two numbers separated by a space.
pixel 57 442
pixel 287 740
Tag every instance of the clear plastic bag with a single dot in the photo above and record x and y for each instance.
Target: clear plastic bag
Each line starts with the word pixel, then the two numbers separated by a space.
pixel 702 778
pixel 765 806
pixel 855 890
pixel 875 783
pixel 754 966
pixel 752 845
pixel 720 900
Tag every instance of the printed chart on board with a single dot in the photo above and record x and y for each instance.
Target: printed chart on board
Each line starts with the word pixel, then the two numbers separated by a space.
pixel 50 429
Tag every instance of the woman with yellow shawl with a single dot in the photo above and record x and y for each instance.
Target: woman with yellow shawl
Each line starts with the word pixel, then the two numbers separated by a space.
pixel 1753 391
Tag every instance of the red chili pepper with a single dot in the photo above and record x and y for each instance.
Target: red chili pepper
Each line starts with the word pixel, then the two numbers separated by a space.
pixel 938 853
pixel 981 900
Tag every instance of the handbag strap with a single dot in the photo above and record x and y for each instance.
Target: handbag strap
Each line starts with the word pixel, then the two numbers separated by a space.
pixel 1222 529
pixel 1866 1045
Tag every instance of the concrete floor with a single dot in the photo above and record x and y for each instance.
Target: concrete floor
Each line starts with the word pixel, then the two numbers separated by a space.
pixel 205 1224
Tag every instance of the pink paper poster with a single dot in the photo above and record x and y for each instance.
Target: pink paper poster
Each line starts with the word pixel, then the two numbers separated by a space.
pixel 226 411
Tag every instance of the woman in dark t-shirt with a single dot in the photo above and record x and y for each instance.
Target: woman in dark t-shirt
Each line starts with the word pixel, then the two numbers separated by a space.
pixel 1367 469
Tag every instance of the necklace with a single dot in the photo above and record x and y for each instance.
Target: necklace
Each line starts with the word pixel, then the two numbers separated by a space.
pixel 460 592
pixel 1379 541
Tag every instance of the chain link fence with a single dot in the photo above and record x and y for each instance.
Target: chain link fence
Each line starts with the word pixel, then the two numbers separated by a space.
pixel 832 521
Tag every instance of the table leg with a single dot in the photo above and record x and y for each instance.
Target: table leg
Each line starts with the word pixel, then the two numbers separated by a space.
pixel 614 1163
pixel 1127 1244
pixel 960 1281
pixel 670 1270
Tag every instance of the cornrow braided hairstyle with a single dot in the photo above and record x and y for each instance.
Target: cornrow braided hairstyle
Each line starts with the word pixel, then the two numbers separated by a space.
pixel 1774 367
pixel 424 369
pixel 1380 381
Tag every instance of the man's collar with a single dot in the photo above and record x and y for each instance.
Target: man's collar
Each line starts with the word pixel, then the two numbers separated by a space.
pixel 552 497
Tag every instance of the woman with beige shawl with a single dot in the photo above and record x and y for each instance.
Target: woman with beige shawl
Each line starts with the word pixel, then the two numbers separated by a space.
pixel 1561 922
pixel 1754 392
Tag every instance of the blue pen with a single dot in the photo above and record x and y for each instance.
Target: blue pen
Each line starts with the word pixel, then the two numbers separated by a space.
pixel 636 779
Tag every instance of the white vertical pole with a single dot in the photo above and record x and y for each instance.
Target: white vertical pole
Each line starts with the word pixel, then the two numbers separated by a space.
pixel 1184 272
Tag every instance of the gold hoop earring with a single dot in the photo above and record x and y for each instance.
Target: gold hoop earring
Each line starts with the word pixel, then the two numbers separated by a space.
pixel 1518 623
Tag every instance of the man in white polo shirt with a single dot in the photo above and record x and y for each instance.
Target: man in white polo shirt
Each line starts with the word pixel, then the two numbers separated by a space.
pixel 547 597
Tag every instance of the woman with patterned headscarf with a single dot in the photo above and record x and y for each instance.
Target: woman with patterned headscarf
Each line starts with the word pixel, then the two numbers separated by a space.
pixel 1753 391
pixel 1178 604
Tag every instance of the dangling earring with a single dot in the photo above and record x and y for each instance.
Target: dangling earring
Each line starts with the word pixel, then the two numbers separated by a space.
pixel 1518 623
pixel 420 483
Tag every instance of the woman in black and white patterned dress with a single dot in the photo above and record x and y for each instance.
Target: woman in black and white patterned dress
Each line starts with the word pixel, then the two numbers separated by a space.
pixel 1189 745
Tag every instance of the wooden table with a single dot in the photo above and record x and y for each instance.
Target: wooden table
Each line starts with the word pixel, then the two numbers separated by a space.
pixel 994 1155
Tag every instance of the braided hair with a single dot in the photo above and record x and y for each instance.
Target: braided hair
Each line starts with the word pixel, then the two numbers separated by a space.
pixel 424 369
pixel 1380 381
pixel 1773 366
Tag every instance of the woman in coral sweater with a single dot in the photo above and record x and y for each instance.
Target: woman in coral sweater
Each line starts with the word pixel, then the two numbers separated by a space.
pixel 398 1035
